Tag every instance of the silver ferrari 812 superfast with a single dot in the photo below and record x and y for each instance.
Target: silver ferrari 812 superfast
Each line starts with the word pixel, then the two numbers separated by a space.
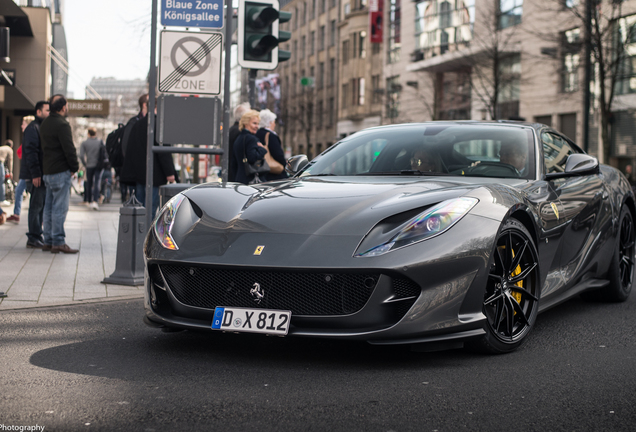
pixel 443 233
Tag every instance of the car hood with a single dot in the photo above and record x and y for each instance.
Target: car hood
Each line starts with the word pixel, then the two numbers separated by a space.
pixel 299 222
pixel 316 206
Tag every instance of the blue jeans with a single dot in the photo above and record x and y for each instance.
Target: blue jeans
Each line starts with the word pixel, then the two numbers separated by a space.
pixel 126 191
pixel 140 194
pixel 93 182
pixel 36 211
pixel 58 194
pixel 19 192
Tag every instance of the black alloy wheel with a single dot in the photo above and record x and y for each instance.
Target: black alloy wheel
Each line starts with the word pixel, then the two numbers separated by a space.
pixel 511 299
pixel 625 252
pixel 621 270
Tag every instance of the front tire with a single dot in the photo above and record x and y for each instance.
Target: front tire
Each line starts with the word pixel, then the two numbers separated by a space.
pixel 511 298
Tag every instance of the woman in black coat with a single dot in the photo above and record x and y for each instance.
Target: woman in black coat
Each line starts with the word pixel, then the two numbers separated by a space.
pixel 268 124
pixel 247 145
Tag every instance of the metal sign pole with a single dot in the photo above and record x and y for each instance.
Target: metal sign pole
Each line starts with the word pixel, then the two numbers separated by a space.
pixel 151 114
pixel 251 90
pixel 225 159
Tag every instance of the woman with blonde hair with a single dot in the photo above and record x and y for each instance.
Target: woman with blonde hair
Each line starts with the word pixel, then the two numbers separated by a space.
pixel 247 146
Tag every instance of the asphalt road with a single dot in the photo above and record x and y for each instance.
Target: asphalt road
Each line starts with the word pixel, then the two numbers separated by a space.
pixel 97 367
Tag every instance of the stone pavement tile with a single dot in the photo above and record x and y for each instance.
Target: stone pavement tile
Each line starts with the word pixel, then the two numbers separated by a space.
pixel 61 274
pixel 9 303
pixel 86 295
pixel 24 294
pixel 54 300
pixel 60 289
pixel 25 288
pixel 35 270
pixel 13 238
pixel 10 268
pixel 120 290
pixel 90 269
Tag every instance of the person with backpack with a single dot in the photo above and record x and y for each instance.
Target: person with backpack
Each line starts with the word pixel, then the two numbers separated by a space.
pixel 134 170
pixel 117 143
pixel 93 156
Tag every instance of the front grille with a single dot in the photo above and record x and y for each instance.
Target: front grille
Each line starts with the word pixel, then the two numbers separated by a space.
pixel 303 293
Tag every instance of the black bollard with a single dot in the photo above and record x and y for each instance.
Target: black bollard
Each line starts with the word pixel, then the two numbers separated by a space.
pixel 129 267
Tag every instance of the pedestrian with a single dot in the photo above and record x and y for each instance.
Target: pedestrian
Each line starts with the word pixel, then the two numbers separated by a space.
pixel 3 216
pixel 267 135
pixel 6 167
pixel 234 133
pixel 31 170
pixel 60 162
pixel 106 184
pixel 128 189
pixel 134 170
pixel 247 146
pixel 21 187
pixel 91 153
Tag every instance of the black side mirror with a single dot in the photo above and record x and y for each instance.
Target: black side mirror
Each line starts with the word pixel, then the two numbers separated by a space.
pixel 296 163
pixel 577 164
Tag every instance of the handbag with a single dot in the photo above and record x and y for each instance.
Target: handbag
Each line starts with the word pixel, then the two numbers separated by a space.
pixel 275 167
pixel 256 168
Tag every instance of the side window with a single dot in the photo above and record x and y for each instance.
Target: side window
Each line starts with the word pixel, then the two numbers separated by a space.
pixel 555 152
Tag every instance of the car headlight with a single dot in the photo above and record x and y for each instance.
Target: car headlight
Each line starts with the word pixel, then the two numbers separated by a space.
pixel 427 224
pixel 163 224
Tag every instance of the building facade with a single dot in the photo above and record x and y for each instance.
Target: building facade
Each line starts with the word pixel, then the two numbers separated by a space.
pixel 122 94
pixel 308 105
pixel 457 60
pixel 29 62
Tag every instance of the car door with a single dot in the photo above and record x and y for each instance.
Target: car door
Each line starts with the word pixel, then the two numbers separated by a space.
pixel 583 200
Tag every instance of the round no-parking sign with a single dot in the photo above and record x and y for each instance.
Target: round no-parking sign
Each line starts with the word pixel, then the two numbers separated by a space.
pixel 190 63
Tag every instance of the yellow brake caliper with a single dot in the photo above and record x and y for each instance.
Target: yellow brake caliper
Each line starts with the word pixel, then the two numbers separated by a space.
pixel 516 294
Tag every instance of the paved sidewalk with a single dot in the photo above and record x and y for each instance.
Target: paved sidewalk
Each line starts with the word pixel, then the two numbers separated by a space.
pixel 32 278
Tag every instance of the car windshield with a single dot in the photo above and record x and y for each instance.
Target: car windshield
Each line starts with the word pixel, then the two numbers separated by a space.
pixel 474 150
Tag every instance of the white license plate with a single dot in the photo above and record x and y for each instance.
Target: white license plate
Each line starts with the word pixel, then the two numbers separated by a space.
pixel 266 321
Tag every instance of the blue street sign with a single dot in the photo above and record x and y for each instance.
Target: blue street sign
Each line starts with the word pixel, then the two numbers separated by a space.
pixel 192 13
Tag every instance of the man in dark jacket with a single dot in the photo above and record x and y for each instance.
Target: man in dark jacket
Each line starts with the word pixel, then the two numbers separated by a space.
pixel 31 171
pixel 60 163
pixel 134 170
pixel 128 189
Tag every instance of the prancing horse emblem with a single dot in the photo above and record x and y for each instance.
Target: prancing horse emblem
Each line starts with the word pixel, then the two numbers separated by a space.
pixel 257 292
pixel 555 209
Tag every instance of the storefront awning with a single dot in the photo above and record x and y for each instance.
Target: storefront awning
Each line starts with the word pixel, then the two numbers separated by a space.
pixel 15 19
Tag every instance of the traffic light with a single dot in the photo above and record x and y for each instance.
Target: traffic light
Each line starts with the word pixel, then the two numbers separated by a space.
pixel 258 34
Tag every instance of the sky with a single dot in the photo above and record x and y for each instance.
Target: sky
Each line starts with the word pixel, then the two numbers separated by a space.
pixel 106 39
